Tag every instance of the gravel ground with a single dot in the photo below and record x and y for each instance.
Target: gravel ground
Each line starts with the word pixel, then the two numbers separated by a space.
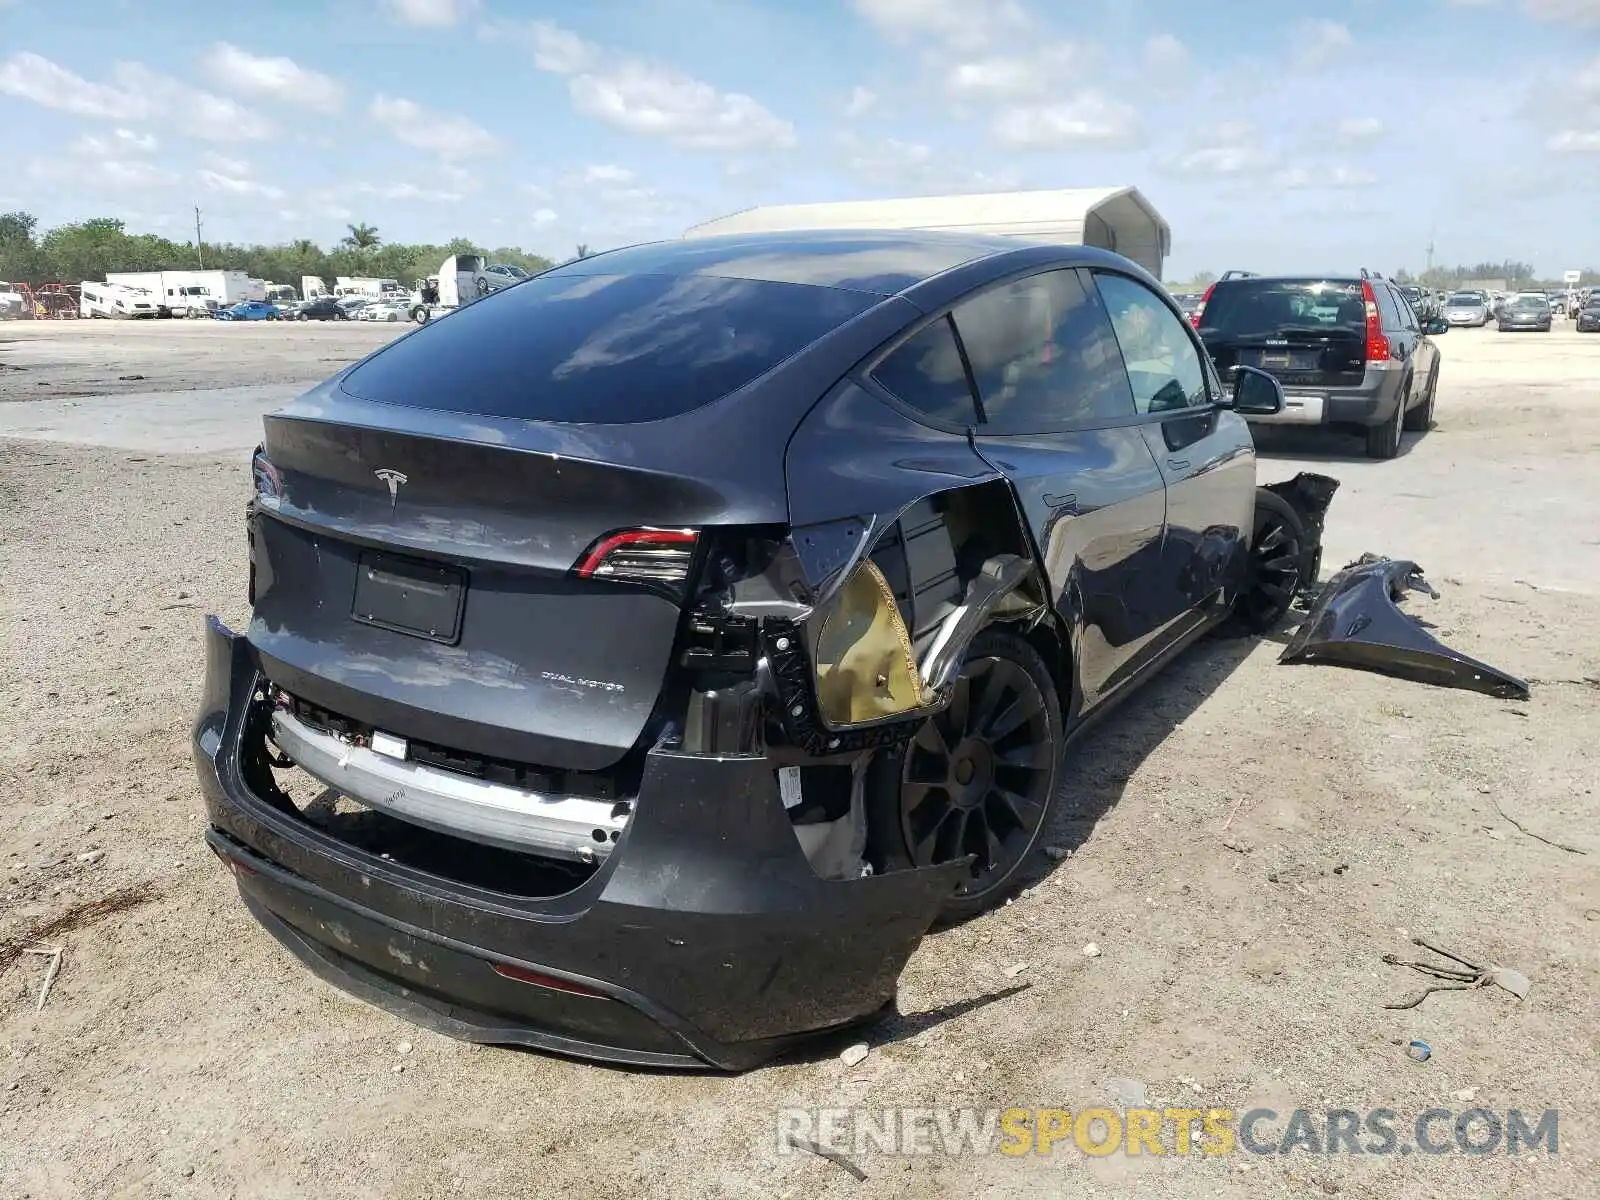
pixel 1249 839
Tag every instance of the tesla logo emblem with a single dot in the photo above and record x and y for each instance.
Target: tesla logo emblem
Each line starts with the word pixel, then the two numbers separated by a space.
pixel 394 479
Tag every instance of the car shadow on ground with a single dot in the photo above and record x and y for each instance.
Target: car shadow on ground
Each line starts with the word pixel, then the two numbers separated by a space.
pixel 1096 769
pixel 1323 446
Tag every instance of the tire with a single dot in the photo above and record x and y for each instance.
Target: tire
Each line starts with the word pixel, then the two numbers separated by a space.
pixel 1002 731
pixel 421 315
pixel 1277 567
pixel 1383 441
pixel 1420 418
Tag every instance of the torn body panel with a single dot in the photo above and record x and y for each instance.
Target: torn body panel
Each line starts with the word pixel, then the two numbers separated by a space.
pixel 1309 495
pixel 1356 622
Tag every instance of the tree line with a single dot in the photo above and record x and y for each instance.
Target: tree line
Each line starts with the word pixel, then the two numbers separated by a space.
pixel 89 249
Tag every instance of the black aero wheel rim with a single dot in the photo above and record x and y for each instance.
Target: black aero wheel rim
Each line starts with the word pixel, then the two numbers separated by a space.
pixel 1274 571
pixel 976 779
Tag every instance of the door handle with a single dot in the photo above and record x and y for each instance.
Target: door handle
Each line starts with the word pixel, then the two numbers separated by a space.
pixel 1178 464
pixel 1056 503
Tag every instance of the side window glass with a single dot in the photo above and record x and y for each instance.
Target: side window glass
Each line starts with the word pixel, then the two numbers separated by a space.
pixel 1163 365
pixel 1408 315
pixel 1043 355
pixel 926 372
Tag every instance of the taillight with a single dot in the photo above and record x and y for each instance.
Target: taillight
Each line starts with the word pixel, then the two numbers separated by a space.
pixel 660 556
pixel 1377 342
pixel 1194 319
pixel 268 481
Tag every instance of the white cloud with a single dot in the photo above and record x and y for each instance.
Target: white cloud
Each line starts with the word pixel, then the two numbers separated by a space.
pixel 862 100
pixel 272 78
pixel 957 23
pixel 1087 119
pixel 238 185
pixel 1358 131
pixel 543 216
pixel 1575 141
pixel 1166 54
pixel 1335 178
pixel 1035 75
pixel 121 141
pixel 29 76
pixel 430 14
pixel 1575 12
pixel 129 174
pixel 408 191
pixel 444 135
pixel 1229 150
pixel 601 173
pixel 135 94
pixel 1320 42
pixel 535 191
pixel 650 99
pixel 915 167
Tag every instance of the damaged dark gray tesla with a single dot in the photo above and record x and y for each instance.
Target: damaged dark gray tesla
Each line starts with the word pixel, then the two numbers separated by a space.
pixel 678 634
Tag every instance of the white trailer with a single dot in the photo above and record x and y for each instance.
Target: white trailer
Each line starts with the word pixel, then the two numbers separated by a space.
pixel 193 293
pixel 312 286
pixel 367 288
pixel 117 301
pixel 462 278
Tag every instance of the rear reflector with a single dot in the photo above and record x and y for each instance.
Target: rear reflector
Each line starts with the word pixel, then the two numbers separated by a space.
pixel 540 979
pixel 1201 307
pixel 641 556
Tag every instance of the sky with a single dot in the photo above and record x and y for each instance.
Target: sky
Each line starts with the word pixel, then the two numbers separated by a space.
pixel 1272 136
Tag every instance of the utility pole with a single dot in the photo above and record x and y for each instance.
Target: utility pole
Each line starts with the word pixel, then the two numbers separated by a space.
pixel 1430 249
pixel 199 246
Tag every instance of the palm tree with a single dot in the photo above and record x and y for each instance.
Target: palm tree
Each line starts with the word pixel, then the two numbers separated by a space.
pixel 362 237
pixel 583 250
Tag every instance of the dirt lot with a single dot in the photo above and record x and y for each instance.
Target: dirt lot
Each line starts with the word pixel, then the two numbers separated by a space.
pixel 1249 839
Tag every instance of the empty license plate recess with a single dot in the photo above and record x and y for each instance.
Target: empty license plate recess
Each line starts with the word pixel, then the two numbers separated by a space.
pixel 410 596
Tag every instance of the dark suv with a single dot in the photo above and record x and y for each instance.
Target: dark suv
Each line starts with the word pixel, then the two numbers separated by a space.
pixel 1349 350
pixel 680 632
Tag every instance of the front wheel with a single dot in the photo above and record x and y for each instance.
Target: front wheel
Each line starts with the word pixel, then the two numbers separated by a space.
pixel 421 315
pixel 978 778
pixel 1277 564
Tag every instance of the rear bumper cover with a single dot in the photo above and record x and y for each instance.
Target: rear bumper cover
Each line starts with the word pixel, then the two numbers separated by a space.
pixel 705 939
pixel 1371 403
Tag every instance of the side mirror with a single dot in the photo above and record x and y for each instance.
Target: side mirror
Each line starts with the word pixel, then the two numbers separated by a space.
pixel 1436 326
pixel 1256 394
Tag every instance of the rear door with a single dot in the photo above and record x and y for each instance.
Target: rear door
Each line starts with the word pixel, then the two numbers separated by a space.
pixel 1056 417
pixel 1205 454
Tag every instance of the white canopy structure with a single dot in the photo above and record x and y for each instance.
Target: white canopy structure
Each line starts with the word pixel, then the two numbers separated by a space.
pixel 1115 218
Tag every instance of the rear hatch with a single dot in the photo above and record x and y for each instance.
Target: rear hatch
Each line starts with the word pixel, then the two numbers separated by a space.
pixel 1306 332
pixel 481 537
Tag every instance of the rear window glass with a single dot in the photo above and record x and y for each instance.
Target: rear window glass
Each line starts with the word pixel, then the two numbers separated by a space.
pixel 1466 298
pixel 603 348
pixel 1261 307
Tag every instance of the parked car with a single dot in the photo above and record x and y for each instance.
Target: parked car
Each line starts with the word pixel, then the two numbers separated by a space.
pixel 1467 308
pixel 319 308
pixel 1589 314
pixel 385 310
pixel 248 310
pixel 1421 300
pixel 694 624
pixel 352 305
pixel 1349 351
pixel 1525 310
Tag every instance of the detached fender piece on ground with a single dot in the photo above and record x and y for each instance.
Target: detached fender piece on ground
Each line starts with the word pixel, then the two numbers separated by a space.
pixel 1356 622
